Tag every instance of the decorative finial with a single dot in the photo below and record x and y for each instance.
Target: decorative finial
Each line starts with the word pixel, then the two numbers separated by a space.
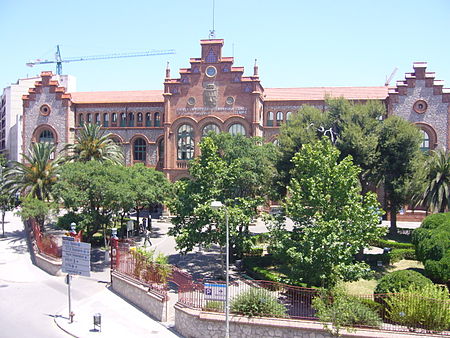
pixel 167 71
pixel 255 69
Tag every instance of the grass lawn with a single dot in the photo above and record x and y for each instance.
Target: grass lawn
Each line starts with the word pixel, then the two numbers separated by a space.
pixel 366 287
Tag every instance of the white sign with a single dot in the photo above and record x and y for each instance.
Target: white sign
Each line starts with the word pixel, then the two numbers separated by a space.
pixel 215 291
pixel 76 257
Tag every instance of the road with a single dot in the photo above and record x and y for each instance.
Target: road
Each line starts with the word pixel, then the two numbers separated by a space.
pixel 30 298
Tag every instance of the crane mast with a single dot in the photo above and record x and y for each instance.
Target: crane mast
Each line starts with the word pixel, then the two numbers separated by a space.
pixel 59 60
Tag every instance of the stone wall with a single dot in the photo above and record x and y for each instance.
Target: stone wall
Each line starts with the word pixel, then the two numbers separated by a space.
pixel 151 303
pixel 53 267
pixel 197 324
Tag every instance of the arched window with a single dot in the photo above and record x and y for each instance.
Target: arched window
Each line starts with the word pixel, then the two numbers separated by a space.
pixel 157 119
pixel 89 118
pixel 279 118
pixel 210 127
pixel 161 151
pixel 288 116
pixel 270 119
pixel 114 118
pixel 139 149
pixel 139 117
pixel 123 119
pixel 148 120
pixel 80 120
pixel 97 119
pixel 185 142
pixel 130 119
pixel 425 145
pixel 211 57
pixel 105 120
pixel 46 136
pixel 236 129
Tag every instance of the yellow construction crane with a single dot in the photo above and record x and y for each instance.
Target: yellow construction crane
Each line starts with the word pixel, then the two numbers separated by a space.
pixel 59 60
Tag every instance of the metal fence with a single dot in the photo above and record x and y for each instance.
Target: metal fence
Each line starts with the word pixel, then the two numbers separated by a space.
pixel 298 302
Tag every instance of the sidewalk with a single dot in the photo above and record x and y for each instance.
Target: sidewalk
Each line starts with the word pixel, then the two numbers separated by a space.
pixel 118 319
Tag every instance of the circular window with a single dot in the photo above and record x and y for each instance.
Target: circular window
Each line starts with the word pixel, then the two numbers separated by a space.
pixel 230 100
pixel 420 106
pixel 45 109
pixel 211 71
pixel 191 101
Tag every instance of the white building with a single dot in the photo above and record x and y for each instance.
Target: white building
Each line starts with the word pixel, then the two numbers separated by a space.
pixel 11 112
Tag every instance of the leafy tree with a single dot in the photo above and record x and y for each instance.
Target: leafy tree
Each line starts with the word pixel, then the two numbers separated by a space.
pixel 399 156
pixel 35 208
pixel 36 177
pixel 352 126
pixel 436 195
pixel 7 200
pixel 92 189
pixel 223 173
pixel 332 220
pixel 146 187
pixel 91 143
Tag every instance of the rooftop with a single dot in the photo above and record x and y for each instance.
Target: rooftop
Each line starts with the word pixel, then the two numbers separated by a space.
pixel 118 96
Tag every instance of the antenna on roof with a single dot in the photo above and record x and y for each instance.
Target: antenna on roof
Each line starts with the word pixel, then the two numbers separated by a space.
pixel 212 33
pixel 389 79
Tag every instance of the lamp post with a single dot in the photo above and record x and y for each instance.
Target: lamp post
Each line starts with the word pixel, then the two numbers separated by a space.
pixel 218 205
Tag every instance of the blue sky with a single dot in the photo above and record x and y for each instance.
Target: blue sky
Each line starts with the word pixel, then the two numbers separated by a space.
pixel 298 43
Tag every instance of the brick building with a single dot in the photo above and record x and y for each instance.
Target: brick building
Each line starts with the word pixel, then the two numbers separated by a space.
pixel 162 128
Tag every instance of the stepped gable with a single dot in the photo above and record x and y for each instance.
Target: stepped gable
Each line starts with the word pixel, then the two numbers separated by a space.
pixel 420 73
pixel 54 88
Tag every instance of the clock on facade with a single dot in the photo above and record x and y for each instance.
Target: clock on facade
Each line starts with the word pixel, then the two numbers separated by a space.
pixel 211 71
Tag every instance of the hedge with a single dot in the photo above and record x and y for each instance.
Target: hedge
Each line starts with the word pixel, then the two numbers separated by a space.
pixel 399 280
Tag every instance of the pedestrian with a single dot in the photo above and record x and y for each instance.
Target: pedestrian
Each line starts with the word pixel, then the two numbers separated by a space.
pixel 147 236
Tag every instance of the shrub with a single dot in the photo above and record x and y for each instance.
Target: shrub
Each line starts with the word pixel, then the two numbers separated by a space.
pixel 401 279
pixel 432 241
pixel 214 306
pixel 340 309
pixel 257 302
pixel 255 251
pixel 426 307
pixel 399 254
pixel 384 243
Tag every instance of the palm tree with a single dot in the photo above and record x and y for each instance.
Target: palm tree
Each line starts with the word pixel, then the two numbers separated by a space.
pixel 36 177
pixel 436 196
pixel 91 143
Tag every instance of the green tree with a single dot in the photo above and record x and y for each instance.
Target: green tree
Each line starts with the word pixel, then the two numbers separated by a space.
pixel 333 221
pixel 7 200
pixel 40 210
pixel 222 174
pixel 146 187
pixel 436 195
pixel 37 175
pixel 92 143
pixel 352 126
pixel 91 189
pixel 399 155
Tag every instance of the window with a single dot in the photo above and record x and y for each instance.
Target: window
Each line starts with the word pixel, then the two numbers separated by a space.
pixel 114 117
pixel 80 120
pixel 46 136
pixel 105 120
pixel 123 119
pixel 210 127
pixel 139 149
pixel 130 119
pixel 288 116
pixel 185 142
pixel 157 119
pixel 270 119
pixel 211 57
pixel 236 78
pixel 139 117
pixel 236 129
pixel 89 118
pixel 248 88
pixel 279 118
pixel 97 119
pixel 425 146
pixel 161 150
pixel 148 120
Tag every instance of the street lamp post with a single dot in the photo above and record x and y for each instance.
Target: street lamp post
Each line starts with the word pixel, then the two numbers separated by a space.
pixel 218 205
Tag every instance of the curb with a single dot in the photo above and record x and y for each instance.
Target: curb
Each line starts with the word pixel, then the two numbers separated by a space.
pixel 63 329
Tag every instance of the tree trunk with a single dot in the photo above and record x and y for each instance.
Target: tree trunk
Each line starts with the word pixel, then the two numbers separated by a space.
pixel 222 263
pixel 393 227
pixel 3 223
